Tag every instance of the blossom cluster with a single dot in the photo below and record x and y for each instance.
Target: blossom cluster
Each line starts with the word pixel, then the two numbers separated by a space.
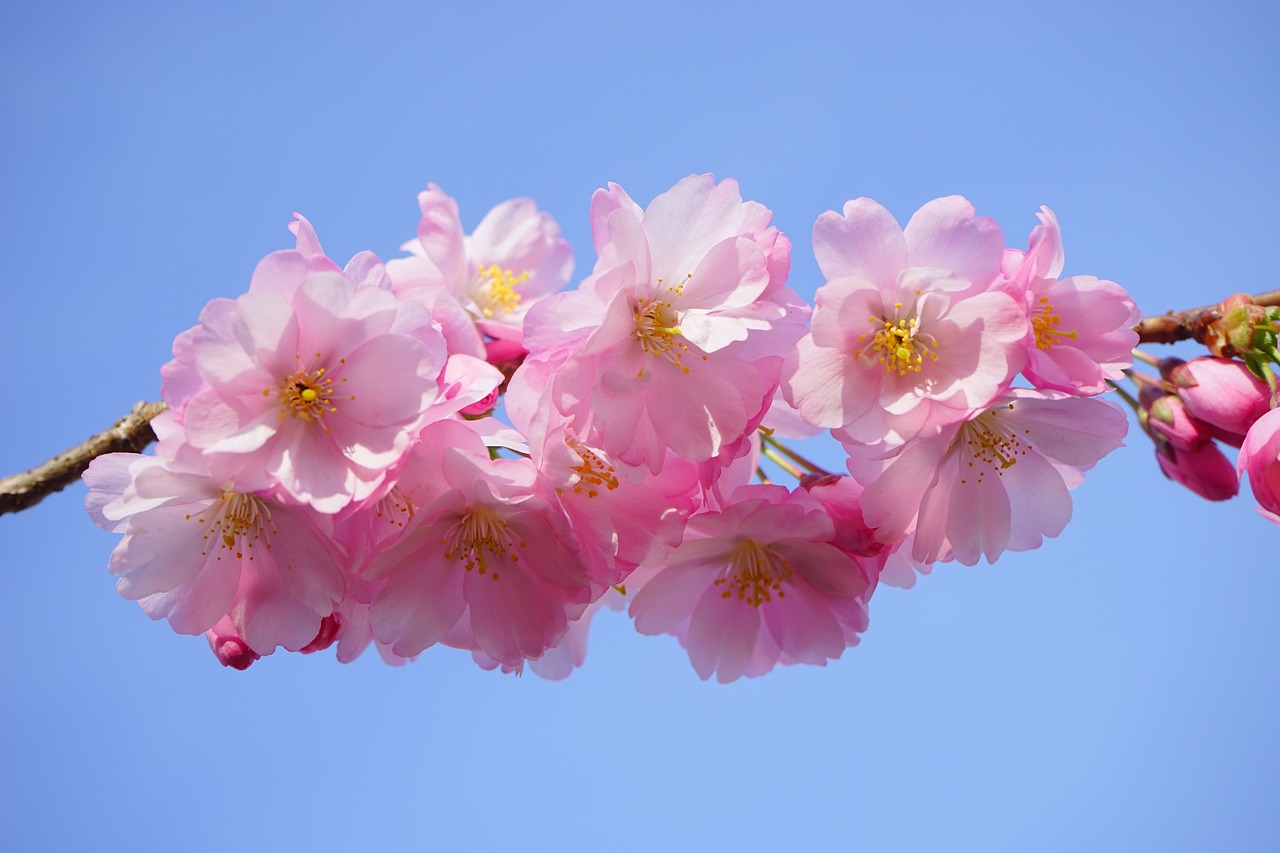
pixel 451 449
pixel 1227 398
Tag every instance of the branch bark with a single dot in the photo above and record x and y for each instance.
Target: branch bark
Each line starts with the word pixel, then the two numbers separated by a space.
pixel 1190 325
pixel 132 433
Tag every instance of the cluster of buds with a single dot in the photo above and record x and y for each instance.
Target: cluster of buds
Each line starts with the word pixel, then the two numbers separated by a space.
pixel 447 449
pixel 1196 408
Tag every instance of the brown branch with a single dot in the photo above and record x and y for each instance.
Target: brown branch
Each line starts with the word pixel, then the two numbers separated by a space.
pixel 1190 325
pixel 131 433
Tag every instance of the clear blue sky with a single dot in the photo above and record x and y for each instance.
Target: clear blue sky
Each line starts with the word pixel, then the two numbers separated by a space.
pixel 1116 690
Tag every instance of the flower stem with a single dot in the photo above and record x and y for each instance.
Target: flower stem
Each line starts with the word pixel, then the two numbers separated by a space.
pixel 793 456
pixel 1146 357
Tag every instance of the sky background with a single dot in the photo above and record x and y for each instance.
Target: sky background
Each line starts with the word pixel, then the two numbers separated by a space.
pixel 1117 689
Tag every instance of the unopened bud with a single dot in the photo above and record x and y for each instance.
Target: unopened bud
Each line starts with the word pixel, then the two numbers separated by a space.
pixel 1221 392
pixel 330 626
pixel 229 647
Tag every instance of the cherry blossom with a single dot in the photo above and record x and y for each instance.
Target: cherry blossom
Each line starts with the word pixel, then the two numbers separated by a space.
pixel 911 332
pixel 757 584
pixel 201 555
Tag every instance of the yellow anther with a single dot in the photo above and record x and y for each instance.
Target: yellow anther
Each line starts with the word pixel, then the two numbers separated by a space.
pixel 494 290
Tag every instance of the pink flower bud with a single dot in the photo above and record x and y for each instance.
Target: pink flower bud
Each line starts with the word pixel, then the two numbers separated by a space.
pixel 1168 418
pixel 1221 393
pixel 499 352
pixel 329 628
pixel 228 647
pixel 1204 470
pixel 483 406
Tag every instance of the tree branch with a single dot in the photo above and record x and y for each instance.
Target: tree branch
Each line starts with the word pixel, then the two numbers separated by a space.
pixel 1191 325
pixel 131 433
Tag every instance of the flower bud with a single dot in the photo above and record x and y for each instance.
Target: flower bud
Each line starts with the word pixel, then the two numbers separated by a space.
pixel 1204 470
pixel 228 646
pixel 1235 332
pixel 1221 392
pixel 329 628
pixel 1167 416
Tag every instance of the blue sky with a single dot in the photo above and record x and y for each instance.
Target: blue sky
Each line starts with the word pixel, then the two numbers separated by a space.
pixel 1115 690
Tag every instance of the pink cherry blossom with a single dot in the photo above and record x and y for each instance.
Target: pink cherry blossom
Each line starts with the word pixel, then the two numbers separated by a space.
pixel 910 332
pixel 998 481
pixel 757 584
pixel 485 282
pixel 487 563
pixel 658 348
pixel 1082 326
pixel 314 390
pixel 203 556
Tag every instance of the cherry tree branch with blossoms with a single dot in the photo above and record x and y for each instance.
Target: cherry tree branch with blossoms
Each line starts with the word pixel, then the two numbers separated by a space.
pixel 330 471
pixel 133 431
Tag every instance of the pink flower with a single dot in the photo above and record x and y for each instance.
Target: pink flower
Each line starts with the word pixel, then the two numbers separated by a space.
pixel 1221 392
pixel 1166 419
pixel 1260 457
pixel 998 481
pixel 1083 333
pixel 487 562
pixel 675 341
pixel 202 556
pixel 757 584
pixel 229 647
pixel 1204 470
pixel 910 331
pixel 313 389
pixel 514 257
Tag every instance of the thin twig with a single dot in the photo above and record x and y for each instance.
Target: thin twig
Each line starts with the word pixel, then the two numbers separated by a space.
pixel 131 433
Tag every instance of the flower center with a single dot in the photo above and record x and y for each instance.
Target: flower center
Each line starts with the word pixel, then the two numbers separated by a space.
pixel 494 290
pixel 1045 325
pixel 898 343
pixel 479 539
pixel 394 508
pixel 988 440
pixel 657 328
pixel 239 522
pixel 593 473
pixel 308 395
pixel 754 575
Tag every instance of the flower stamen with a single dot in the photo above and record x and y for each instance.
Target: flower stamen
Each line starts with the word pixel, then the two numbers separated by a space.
pixel 478 539
pixel 1045 326
pixel 494 290
pixel 755 574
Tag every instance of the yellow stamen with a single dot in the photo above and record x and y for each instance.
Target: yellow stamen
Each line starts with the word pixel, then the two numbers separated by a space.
pixel 494 290
pixel 306 393
pixel 990 445
pixel 898 343
pixel 478 539
pixel 658 328
pixel 593 472
pixel 755 574
pixel 1045 326
pixel 240 522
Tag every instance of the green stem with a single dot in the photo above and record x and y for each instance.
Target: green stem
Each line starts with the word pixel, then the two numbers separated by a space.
pixel 794 457
pixel 1148 358
pixel 782 463
pixel 1125 395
